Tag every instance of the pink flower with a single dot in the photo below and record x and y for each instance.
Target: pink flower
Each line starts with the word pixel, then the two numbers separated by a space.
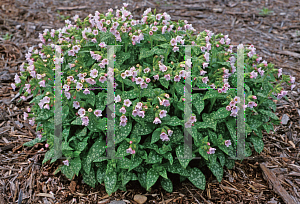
pixel 251 104
pixel 135 113
pixel 46 145
pixel 85 120
pixel 206 56
pixel 94 73
pixel 81 112
pixel 177 78
pixel 170 132
pixel 47 107
pixel 237 99
pixel 235 109
pixel 228 108
pixel 123 118
pixel 162 113
pixel 66 162
pixel 232 103
pixel 122 110
pixel 154 28
pixel 205 80
pixel 148 80
pixel 173 42
pixel 17 79
pixel 42 83
pixel 202 72
pixel 220 91
pixel 156 120
pixel 139 80
pixel 150 32
pixel 25 115
pixel 102 79
pixel 253 74
pixel 117 98
pixel 139 106
pixel 123 123
pixel 227 143
pixel 279 72
pixel 167 77
pixel 86 91
pixel 144 85
pixel 141 114
pixel 98 113
pixel 205 64
pixel 188 124
pixel 193 119
pixel 164 137
pixel 129 150
pixel 254 97
pixel 127 102
pixel 211 150
pixel 175 49
pixel 163 29
pixel 79 85
pixel 165 102
pixel 76 104
pixel 13 86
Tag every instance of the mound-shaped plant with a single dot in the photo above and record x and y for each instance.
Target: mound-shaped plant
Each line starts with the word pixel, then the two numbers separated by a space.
pixel 149 71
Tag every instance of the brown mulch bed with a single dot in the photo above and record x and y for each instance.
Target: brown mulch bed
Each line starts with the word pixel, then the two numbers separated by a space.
pixel 271 177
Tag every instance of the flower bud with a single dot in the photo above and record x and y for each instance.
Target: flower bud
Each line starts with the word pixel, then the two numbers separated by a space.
pixel 47 93
pixel 82 80
pixel 90 110
pixel 44 60
pixel 157 107
pixel 48 56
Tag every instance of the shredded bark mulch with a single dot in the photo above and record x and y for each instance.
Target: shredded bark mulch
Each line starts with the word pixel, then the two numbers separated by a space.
pixel 272 177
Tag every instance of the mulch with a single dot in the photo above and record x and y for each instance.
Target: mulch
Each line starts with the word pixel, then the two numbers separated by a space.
pixel 271 177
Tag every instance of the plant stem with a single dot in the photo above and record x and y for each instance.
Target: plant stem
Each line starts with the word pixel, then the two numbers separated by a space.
pixel 268 95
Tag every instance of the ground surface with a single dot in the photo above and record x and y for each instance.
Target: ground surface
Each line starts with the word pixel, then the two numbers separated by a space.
pixel 277 39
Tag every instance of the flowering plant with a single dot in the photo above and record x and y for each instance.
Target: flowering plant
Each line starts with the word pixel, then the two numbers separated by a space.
pixel 149 98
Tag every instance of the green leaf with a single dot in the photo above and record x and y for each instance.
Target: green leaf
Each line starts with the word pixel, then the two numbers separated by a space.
pixel 179 88
pixel 203 153
pixel 169 157
pixel 156 135
pixel 34 141
pixel 126 177
pixel 75 165
pixel 142 178
pixel 216 169
pixel 254 123
pixel 144 53
pixel 197 178
pixel 164 82
pixel 257 143
pixel 94 153
pixel 49 154
pixel 221 158
pixel 122 132
pixel 176 168
pixel 229 163
pixel 122 57
pixel 153 158
pixel 90 178
pixel 77 121
pixel 65 112
pixel 110 181
pixel 209 120
pixel 198 102
pixel 180 153
pixel 166 184
pixel 121 152
pixel 140 130
pixel 152 176
pixel 268 127
pixel 213 137
pixel 269 113
pixel 136 160
pixel 231 126
pixel 174 121
pixel 101 171
pixel 132 94
pixel 221 113
pixel 158 37
pixel 213 94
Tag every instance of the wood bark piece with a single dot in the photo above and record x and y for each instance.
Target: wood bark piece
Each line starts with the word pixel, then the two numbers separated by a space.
pixel 289 53
pixel 276 185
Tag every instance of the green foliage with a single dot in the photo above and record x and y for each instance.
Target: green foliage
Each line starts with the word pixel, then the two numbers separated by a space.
pixel 145 150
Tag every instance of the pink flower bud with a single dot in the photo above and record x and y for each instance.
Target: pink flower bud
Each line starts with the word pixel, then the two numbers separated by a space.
pixel 130 142
pixel 46 145
pixel 208 144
